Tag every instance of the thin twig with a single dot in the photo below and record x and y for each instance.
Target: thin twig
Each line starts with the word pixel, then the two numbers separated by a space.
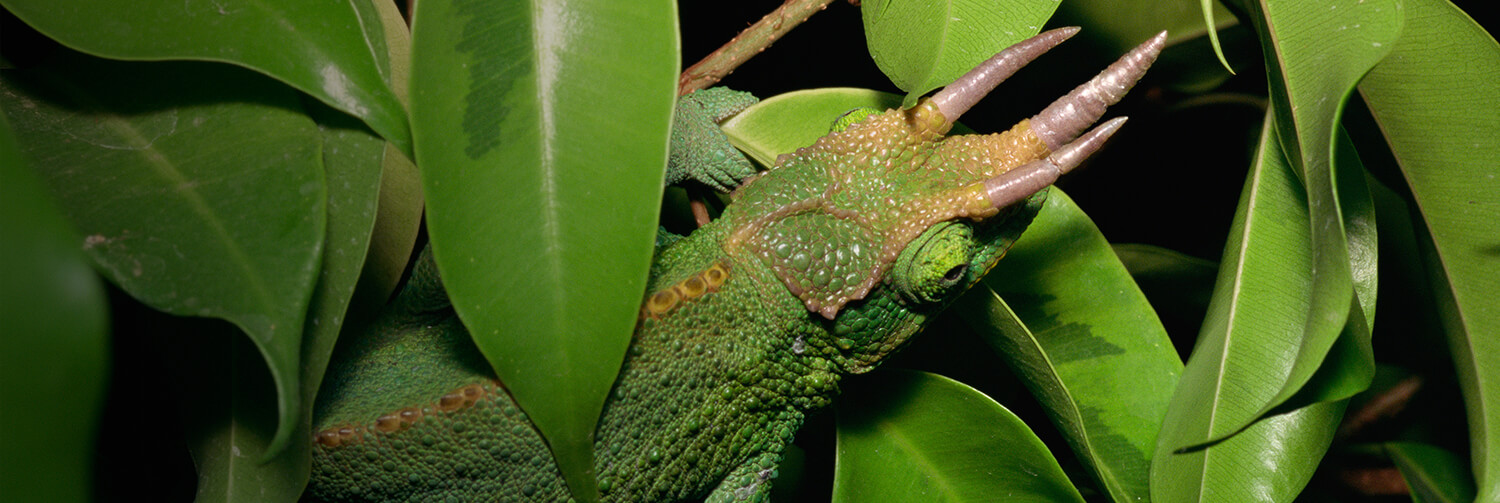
pixel 747 44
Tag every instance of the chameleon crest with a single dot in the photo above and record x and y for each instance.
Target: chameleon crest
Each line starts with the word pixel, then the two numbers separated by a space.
pixel 820 267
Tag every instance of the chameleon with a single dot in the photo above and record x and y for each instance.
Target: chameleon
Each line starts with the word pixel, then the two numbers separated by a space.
pixel 819 267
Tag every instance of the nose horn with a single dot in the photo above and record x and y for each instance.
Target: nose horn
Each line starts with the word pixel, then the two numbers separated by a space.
pixel 1065 118
pixel 962 94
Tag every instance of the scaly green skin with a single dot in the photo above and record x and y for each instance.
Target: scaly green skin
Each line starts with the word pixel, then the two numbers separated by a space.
pixel 820 267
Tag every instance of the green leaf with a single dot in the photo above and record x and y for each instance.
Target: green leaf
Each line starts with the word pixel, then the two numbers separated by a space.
pixel 177 172
pixel 1067 316
pixel 922 46
pixel 333 51
pixel 1314 54
pixel 786 122
pixel 905 436
pixel 1432 474
pixel 54 353
pixel 1434 99
pixel 399 217
pixel 352 156
pixel 1271 461
pixel 1248 341
pixel 542 138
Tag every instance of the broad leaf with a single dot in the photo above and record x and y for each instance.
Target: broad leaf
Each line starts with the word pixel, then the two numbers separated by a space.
pixel 541 130
pixel 1434 98
pixel 1068 317
pixel 925 45
pixel 1432 474
pixel 1315 53
pixel 1248 341
pixel 54 353
pixel 786 122
pixel 914 436
pixel 177 172
pixel 334 51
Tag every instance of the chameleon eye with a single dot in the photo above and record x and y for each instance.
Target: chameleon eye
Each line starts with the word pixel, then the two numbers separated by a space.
pixel 935 265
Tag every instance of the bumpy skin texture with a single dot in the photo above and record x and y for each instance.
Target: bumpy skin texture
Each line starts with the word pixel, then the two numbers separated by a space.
pixel 819 267
pixel 700 151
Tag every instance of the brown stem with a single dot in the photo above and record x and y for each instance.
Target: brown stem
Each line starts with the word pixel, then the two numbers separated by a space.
pixel 747 44
pixel 698 202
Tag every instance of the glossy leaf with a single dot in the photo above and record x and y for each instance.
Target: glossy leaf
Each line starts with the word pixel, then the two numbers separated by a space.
pixel 333 51
pixel 1250 336
pixel 1314 55
pixel 1069 319
pixel 541 130
pixel 914 436
pixel 922 46
pixel 176 172
pixel 1434 99
pixel 786 122
pixel 54 352
pixel 1433 475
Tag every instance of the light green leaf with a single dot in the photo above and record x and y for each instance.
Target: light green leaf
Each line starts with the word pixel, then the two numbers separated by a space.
pixel 786 122
pixel 1314 54
pixel 54 352
pixel 1248 341
pixel 541 130
pixel 1432 474
pixel 333 51
pixel 1068 318
pixel 177 172
pixel 922 46
pixel 914 436
pixel 1434 99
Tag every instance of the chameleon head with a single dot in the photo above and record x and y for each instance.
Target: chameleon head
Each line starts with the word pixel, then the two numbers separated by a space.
pixel 882 222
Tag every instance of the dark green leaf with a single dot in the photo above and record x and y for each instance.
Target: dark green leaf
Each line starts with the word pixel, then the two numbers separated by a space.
pixel 1074 325
pixel 334 51
pixel 181 172
pixel 914 436
pixel 1315 53
pixel 541 129
pixel 54 353
pixel 922 46
pixel 1432 474
pixel 1434 98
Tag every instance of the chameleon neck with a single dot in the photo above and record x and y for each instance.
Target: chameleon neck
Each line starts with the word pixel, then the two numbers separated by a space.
pixel 722 367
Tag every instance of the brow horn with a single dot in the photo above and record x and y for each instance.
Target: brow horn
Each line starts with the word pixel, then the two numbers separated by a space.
pixel 962 94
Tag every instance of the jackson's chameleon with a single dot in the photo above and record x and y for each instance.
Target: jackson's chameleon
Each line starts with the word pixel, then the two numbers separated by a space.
pixel 819 267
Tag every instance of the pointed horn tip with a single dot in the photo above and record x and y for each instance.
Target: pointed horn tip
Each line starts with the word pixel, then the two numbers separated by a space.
pixel 1073 154
pixel 962 94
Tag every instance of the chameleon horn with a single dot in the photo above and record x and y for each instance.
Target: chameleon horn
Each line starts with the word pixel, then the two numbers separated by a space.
pixel 1018 184
pixel 1061 121
pixel 956 98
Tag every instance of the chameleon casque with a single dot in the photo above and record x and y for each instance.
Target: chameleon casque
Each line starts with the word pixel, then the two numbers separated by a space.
pixel 819 267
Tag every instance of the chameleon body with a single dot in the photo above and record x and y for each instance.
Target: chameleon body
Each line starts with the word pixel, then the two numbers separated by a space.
pixel 818 268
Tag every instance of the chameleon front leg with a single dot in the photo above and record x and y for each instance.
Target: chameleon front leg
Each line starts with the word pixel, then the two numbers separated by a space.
pixel 700 151
pixel 749 482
